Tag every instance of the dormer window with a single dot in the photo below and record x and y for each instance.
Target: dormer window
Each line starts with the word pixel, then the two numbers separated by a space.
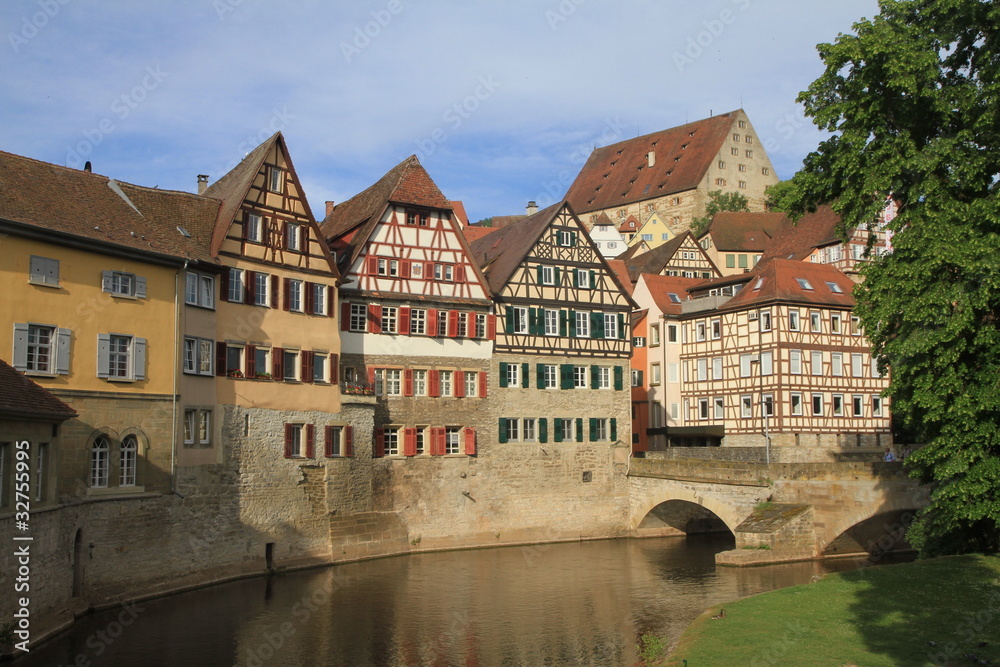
pixel 834 287
pixel 804 284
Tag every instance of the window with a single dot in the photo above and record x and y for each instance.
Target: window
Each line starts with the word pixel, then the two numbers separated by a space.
pixel 636 377
pixel 293 236
pixel 44 271
pixel 551 322
pixel 835 323
pixel 611 325
pixel 654 374
pixel 876 406
pixel 565 238
pixel 198 356
pixel 528 430
pixel 671 333
pixel 359 317
pixel 481 325
pixel 746 406
pixel 253 228
pixel 815 323
pixel 817 405
pixel 580 377
pixel 702 370
pixel 442 318
pixel 836 364
pixel 295 296
pixel 767 405
pixel 765 171
pixel 320 361
pixel 318 299
pixel 520 320
pixel 741 124
pixel 717 368
pixel 513 375
pixel 601 377
pixel 262 362
pixel 471 383
pixel 765 320
pixel 234 360
pixel 121 357
pixel 838 405
pixel 120 283
pixel 856 365
pixel 599 429
pixel 855 325
pixel 816 362
pixel 197 427
pixel 654 334
pixel 719 408
pixel 199 290
pixel 444 272
pixel 796 404
pixel 804 284
pixel 548 275
pixel 513 429
pixel 745 365
pixel 741 260
pixel 261 289
pixel 795 362
pixel 722 164
pixel 749 139
pixel 275 179
pixel 583 277
pixel 127 461
pixel 793 320
pixel 451 440
pixel 582 325
pixel 462 326
pixel 716 329
pixel 736 137
pixel 389 319
pixel 235 293
pixel 419 382
pixel 766 363
pixel 734 151
pixel 876 373
pixel 857 404
pixel 550 379
pixel 445 382
pixel 418 321
pixel 100 459
pixel 742 167
pixel 290 363
pixel 40 344
pixel 392 381
pixel 700 332
pixel 834 287
pixel 421 439
pixel 702 408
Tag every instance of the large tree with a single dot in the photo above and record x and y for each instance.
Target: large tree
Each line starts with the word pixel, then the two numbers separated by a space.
pixel 718 201
pixel 912 99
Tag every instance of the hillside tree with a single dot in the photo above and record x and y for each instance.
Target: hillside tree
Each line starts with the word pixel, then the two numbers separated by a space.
pixel 718 201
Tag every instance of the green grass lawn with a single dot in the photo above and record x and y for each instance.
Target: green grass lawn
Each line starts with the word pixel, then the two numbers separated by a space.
pixel 885 615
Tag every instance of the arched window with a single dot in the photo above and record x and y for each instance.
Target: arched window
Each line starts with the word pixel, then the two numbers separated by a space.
pixel 99 463
pixel 129 451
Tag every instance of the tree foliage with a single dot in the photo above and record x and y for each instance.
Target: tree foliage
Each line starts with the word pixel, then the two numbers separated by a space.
pixel 912 100
pixel 718 201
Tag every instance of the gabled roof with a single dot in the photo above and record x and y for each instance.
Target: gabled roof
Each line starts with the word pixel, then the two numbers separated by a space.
pixel 668 292
pixel 743 232
pixel 460 214
pixel 232 189
pixel 500 253
pixel 476 232
pixel 498 221
pixel 629 224
pixel 633 250
pixel 621 272
pixel 619 174
pixel 23 399
pixel 797 240
pixel 406 183
pixel 603 219
pixel 778 280
pixel 56 201
pixel 653 261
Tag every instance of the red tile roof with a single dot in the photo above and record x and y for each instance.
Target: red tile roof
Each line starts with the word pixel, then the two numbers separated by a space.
pixel 476 232
pixel 797 240
pixel 23 399
pixel 621 271
pixel 500 253
pixel 661 287
pixel 655 259
pixel 778 280
pixel 460 213
pixel 619 174
pixel 743 232
pixel 38 197
pixel 498 221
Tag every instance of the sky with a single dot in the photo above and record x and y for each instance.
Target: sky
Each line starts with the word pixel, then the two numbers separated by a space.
pixel 502 102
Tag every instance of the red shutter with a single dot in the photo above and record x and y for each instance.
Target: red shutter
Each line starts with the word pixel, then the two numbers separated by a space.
pixel 334 369
pixel 288 441
pixel 328 435
pixel 379 449
pixel 310 297
pixel 348 440
pixel 439 441
pixel 345 316
pixel 459 382
pixel 220 358
pixel 374 319
pixel 277 363
pixel 409 442
pixel 310 441
pixel 404 320
pixel 404 268
pixel 274 292
pixel 250 360
pixel 224 285
pixel 429 271
pixel 491 327
pixel 482 384
pixel 287 300
pixel 460 274
pixel 470 441
pixel 372 265
pixel 433 383
pixel 250 288
pixel 452 323
pixel 432 322
pixel 408 382
pixel 307 366
pixel 371 377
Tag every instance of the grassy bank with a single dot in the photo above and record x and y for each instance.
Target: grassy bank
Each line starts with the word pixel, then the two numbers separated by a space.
pixel 932 612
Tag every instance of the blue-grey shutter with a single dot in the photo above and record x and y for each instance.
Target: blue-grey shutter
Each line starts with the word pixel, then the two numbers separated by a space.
pixel 63 340
pixel 21 346
pixel 543 430
pixel 106 281
pixel 140 287
pixel 139 358
pixel 103 355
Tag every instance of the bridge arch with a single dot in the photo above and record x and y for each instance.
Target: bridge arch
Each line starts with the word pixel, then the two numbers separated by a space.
pixel 876 530
pixel 725 512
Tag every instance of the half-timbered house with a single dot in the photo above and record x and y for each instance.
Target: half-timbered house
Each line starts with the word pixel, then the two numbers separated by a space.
pixel 736 240
pixel 416 322
pixel 681 256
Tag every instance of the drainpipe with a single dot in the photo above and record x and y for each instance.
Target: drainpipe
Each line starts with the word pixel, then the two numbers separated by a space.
pixel 173 399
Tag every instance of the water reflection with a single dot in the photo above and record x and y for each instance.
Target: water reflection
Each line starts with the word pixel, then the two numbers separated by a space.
pixel 565 604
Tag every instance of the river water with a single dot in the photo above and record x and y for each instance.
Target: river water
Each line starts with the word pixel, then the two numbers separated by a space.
pixel 559 604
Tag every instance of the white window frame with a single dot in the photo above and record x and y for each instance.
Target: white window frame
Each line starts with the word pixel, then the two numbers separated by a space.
pixel 816 363
pixel 550 376
pixel 254 227
pixel 520 320
pixel 580 377
pixel 551 322
pixel 262 289
pixel 795 362
pixel 296 303
pixel 611 325
pixel 419 382
pixel 418 321
pixel 582 324
pixel 795 403
pixel 793 320
pixel 196 361
pixel 358 318
pixel 746 406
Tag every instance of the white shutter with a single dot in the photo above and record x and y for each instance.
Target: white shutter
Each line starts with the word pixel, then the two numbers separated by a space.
pixel 63 339
pixel 139 358
pixel 21 346
pixel 140 287
pixel 103 355
pixel 106 281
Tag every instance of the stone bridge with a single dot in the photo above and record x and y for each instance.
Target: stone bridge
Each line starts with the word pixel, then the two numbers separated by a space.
pixel 805 503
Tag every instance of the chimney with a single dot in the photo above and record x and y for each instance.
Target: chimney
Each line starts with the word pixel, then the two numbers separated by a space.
pixel 87 168
pixel 651 158
pixel 202 183
pixel 329 208
pixel 532 208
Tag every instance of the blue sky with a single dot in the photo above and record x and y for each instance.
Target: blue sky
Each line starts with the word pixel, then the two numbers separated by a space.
pixel 502 101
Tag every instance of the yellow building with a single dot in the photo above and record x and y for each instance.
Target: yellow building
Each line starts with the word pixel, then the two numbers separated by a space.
pixel 655 232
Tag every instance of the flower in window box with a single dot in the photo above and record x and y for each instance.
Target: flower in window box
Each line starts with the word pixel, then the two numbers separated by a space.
pixel 234 373
pixel 262 376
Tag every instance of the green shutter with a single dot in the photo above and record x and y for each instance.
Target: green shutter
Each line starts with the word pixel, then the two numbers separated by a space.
pixel 532 322
pixel 559 430
pixel 619 380
pixel 593 429
pixel 543 430
pixel 555 274
pixel 595 377
pixel 566 376
pixel 539 267
pixel 572 238
pixel 597 325
pixel 540 376
pixel 509 323
pixel 579 429
pixel 562 323
pixel 571 316
pixel 614 429
pixel 503 429
pixel 503 373
pixel 730 261
pixel 621 327
pixel 593 280
pixel 525 375
pixel 576 277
